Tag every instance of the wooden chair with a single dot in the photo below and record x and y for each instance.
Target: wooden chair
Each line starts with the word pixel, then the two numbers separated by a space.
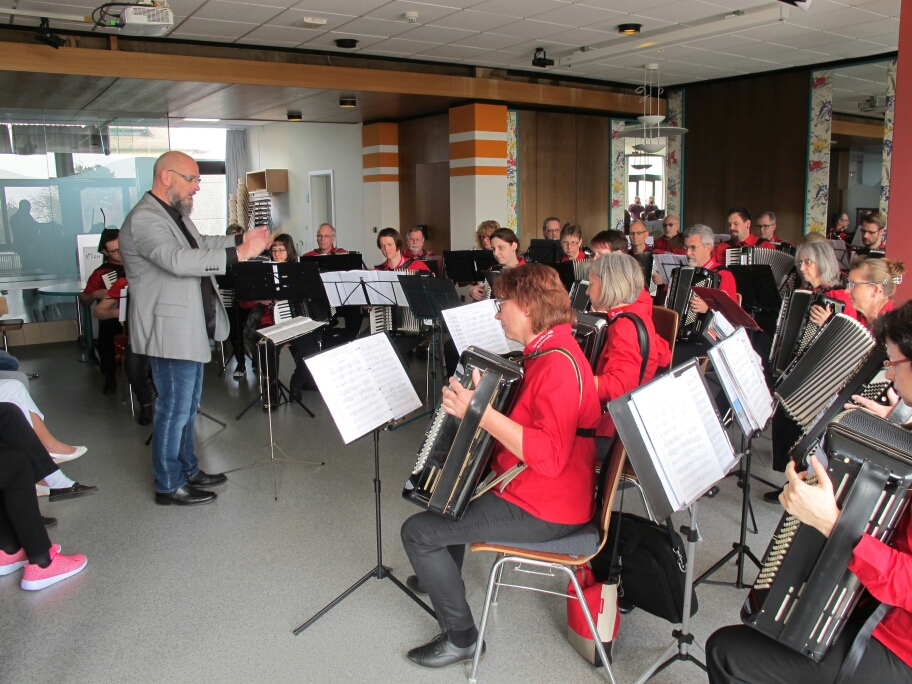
pixel 7 325
pixel 666 326
pixel 558 556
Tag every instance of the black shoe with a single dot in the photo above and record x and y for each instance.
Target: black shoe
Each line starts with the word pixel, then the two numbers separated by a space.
pixel 73 492
pixel 295 394
pixel 110 386
pixel 441 653
pixel 413 583
pixel 145 414
pixel 49 522
pixel 202 479
pixel 187 495
pixel 773 496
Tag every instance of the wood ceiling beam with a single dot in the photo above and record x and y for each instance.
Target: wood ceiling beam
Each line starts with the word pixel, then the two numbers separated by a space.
pixel 859 130
pixel 146 65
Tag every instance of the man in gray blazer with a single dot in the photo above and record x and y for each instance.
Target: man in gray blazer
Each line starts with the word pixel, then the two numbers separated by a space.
pixel 174 311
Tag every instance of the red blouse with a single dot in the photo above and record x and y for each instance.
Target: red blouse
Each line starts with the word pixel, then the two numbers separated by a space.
pixel 317 252
pixel 559 483
pixel 579 257
pixel 727 283
pixel 413 266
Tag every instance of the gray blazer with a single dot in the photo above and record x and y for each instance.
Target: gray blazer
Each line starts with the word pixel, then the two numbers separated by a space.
pixel 165 313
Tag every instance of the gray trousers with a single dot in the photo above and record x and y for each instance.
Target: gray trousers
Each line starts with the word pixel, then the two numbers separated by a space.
pixel 436 548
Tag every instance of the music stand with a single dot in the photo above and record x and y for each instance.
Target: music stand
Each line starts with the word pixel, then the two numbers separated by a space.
pixel 347 261
pixel 757 287
pixel 328 378
pixel 545 252
pixel 468 265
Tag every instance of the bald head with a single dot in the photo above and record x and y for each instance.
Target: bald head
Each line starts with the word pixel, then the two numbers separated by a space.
pixel 176 180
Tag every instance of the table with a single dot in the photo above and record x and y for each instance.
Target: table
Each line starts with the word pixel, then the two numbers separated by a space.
pixel 72 288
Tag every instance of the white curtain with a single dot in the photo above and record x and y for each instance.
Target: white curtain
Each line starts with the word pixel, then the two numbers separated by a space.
pixel 235 158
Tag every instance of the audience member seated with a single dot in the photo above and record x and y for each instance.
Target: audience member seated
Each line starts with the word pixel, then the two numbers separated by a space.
pixel 873 227
pixel 819 270
pixel 571 239
pixel 24 541
pixel 616 288
pixel 326 242
pixel 739 226
pixel 136 366
pixel 415 239
pixel 672 240
pixel 551 228
pixel 871 285
pixel 698 243
pixel 638 234
pixel 8 362
pixel 766 229
pixel 608 241
pixel 636 209
pixel 236 329
pixel 262 315
pixel 95 291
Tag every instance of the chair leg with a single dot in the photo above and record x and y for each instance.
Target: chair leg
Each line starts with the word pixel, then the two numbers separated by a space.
pixel 589 621
pixel 497 583
pixel 495 573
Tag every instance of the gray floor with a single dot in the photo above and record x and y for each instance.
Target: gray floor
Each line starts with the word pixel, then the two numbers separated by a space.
pixel 212 594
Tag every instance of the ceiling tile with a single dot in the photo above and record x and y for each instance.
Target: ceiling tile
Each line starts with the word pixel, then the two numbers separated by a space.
pixel 529 47
pixel 210 27
pixel 682 11
pixel 581 15
pixel 518 8
pixel 875 71
pixel 352 7
pixel 872 28
pixel 497 58
pixel 847 16
pixel 456 4
pixel 527 28
pixel 394 11
pixel 489 41
pixel 325 40
pixel 454 52
pixel 269 43
pixel 290 19
pixel 815 39
pixel 763 51
pixel 776 33
pixel 470 20
pixel 410 47
pixel 889 8
pixel 284 34
pixel 367 26
pixel 726 43
pixel 196 36
pixel 625 5
pixel 184 8
pixel 237 11
pixel 886 40
pixel 580 37
pixel 436 34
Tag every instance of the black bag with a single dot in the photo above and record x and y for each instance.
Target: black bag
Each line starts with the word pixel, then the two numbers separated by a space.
pixel 651 563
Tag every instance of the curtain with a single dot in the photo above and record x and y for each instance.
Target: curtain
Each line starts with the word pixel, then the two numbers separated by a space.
pixel 235 158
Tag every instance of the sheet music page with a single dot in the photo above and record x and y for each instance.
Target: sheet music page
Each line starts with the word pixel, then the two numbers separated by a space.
pixel 722 445
pixel 286 330
pixel 721 322
pixel 654 456
pixel 387 287
pixel 747 372
pixel 682 444
pixel 343 288
pixel 389 373
pixel 475 325
pixel 666 263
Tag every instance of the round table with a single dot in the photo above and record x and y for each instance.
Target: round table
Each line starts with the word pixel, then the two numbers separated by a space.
pixel 72 288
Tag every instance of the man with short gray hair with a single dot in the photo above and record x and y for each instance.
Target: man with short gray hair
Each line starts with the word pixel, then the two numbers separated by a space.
pixel 698 245
pixel 766 229
pixel 326 242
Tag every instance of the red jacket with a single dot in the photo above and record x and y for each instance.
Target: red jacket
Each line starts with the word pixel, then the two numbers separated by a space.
pixel 579 257
pixel 411 265
pixel 886 572
pixel 727 284
pixel 843 296
pixel 334 250
pixel 751 241
pixel 409 254
pixel 618 369
pixel 559 483
pixel 662 246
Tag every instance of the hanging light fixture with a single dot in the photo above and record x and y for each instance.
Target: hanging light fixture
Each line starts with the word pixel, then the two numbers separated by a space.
pixel 651 132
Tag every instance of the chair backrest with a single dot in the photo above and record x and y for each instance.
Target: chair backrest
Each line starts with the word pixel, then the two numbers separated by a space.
pixel 614 462
pixel 740 299
pixel 666 325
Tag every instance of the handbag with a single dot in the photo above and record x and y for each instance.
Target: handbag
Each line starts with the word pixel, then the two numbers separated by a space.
pixel 651 563
pixel 601 598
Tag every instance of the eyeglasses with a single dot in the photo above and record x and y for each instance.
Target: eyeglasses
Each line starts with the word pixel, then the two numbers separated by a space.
pixel 112 251
pixel 765 225
pixel 324 237
pixel 804 262
pixel 641 232
pixel 693 248
pixel 667 225
pixel 189 179
pixel 499 302
pixel 852 284
pixel 889 363
pixel 870 232
pixel 570 243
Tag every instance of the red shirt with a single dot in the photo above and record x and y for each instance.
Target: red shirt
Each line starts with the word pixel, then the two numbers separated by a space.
pixel 409 254
pixel 886 572
pixel 117 287
pixel 267 319
pixel 559 483
pixel 411 266
pixel 618 369
pixel 870 325
pixel 579 257
pixel 334 250
pixel 751 241
pixel 662 246
pixel 843 296
pixel 95 281
pixel 727 284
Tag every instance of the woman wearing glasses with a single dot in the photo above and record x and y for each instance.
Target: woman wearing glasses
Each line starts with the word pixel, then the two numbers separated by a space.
pixel 818 268
pixel 552 496
pixel 571 239
pixel 871 285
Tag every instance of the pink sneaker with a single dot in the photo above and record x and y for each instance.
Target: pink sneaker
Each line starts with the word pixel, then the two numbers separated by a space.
pixel 60 568
pixel 10 563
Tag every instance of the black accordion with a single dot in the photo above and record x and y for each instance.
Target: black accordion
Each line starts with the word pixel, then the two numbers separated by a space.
pixel 679 293
pixel 591 331
pixel 805 592
pixel 579 296
pixel 455 453
pixel 781 262
pixel 794 329
pixel 647 263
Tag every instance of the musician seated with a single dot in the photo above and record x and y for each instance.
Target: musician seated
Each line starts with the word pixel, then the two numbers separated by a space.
pixel 571 240
pixel 389 242
pixel 739 226
pixel 638 234
pixel 608 241
pixel 616 288
pixel 551 228
pixel 698 243
pixel 873 228
pixel 672 240
pixel 415 238
pixel 740 654
pixel 326 242
pixel 819 270
pixel 766 229
pixel 505 245
pixel 838 229
pixel 484 232
pixel 262 315
pixel 871 285
pixel 136 366
pixel 552 497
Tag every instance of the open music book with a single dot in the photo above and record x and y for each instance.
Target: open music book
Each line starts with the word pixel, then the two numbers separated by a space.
pixel 664 264
pixel 364 384
pixel 290 329
pixel 740 372
pixel 364 288
pixel 674 438
pixel 716 327
pixel 474 325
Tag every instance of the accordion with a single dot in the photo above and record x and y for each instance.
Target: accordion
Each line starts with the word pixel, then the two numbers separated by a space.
pixel 579 296
pixel 591 331
pixel 286 309
pixel 678 297
pixel 109 279
pixel 647 263
pixel 805 592
pixel 794 329
pixel 781 262
pixel 455 453
pixel 398 320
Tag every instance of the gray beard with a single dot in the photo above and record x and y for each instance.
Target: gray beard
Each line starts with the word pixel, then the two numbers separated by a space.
pixel 184 207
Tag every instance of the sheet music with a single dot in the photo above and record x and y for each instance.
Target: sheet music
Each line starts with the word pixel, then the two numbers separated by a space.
pixel 654 457
pixel 475 325
pixel 344 288
pixel 342 292
pixel 361 385
pixel 666 263
pixel 290 329
pixel 682 445
pixel 722 445
pixel 743 381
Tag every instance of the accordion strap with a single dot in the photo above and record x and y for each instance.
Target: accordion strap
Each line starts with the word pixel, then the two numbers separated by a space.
pixel 861 642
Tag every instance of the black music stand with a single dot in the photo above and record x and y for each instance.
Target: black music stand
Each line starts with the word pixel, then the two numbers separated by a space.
pixel 292 281
pixel 545 252
pixel 566 272
pixel 468 265
pixel 348 261
pixel 757 287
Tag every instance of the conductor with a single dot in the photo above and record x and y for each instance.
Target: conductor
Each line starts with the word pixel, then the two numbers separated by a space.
pixel 174 311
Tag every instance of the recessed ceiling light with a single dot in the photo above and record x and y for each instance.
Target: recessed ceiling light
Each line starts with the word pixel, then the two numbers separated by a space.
pixel 348 102
pixel 294 116
pixel 204 120
pixel 346 43
pixel 629 29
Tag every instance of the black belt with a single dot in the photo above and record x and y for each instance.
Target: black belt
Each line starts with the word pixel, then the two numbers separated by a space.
pixel 585 432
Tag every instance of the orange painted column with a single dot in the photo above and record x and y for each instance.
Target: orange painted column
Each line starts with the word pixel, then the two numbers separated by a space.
pixel 478 170
pixel 899 236
pixel 380 150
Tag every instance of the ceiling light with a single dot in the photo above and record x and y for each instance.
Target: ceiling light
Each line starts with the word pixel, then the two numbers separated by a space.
pixel 629 29
pixel 346 43
pixel 310 22
pixel 348 102
pixel 411 17
pixel 541 59
pixel 295 117
pixel 45 36
pixel 204 120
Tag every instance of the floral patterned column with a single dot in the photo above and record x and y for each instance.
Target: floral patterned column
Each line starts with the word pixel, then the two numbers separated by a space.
pixel 674 159
pixel 818 176
pixel 513 171
pixel 617 173
pixel 888 140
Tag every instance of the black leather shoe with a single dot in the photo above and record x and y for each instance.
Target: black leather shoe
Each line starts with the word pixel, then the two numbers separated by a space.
pixel 145 414
pixel 773 496
pixel 413 583
pixel 110 386
pixel 441 653
pixel 187 495
pixel 202 479
pixel 49 522
pixel 295 394
pixel 73 492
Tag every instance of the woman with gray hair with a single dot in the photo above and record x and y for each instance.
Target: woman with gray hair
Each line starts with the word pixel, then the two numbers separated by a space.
pixel 616 289
pixel 817 265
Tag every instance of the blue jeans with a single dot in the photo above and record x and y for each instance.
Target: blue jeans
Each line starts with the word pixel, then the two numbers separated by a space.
pixel 179 385
pixel 8 362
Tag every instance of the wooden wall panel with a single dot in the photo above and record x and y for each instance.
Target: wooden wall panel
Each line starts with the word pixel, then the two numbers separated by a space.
pixel 432 203
pixel 556 160
pixel 529 225
pixel 424 190
pixel 592 183
pixel 747 146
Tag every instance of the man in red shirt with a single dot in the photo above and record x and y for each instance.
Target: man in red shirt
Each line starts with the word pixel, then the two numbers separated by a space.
pixel 739 226
pixel 698 243
pixel 740 654
pixel 638 234
pixel 415 239
pixel 326 242
pixel 873 227
pixel 96 290
pixel 672 242
pixel 766 229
